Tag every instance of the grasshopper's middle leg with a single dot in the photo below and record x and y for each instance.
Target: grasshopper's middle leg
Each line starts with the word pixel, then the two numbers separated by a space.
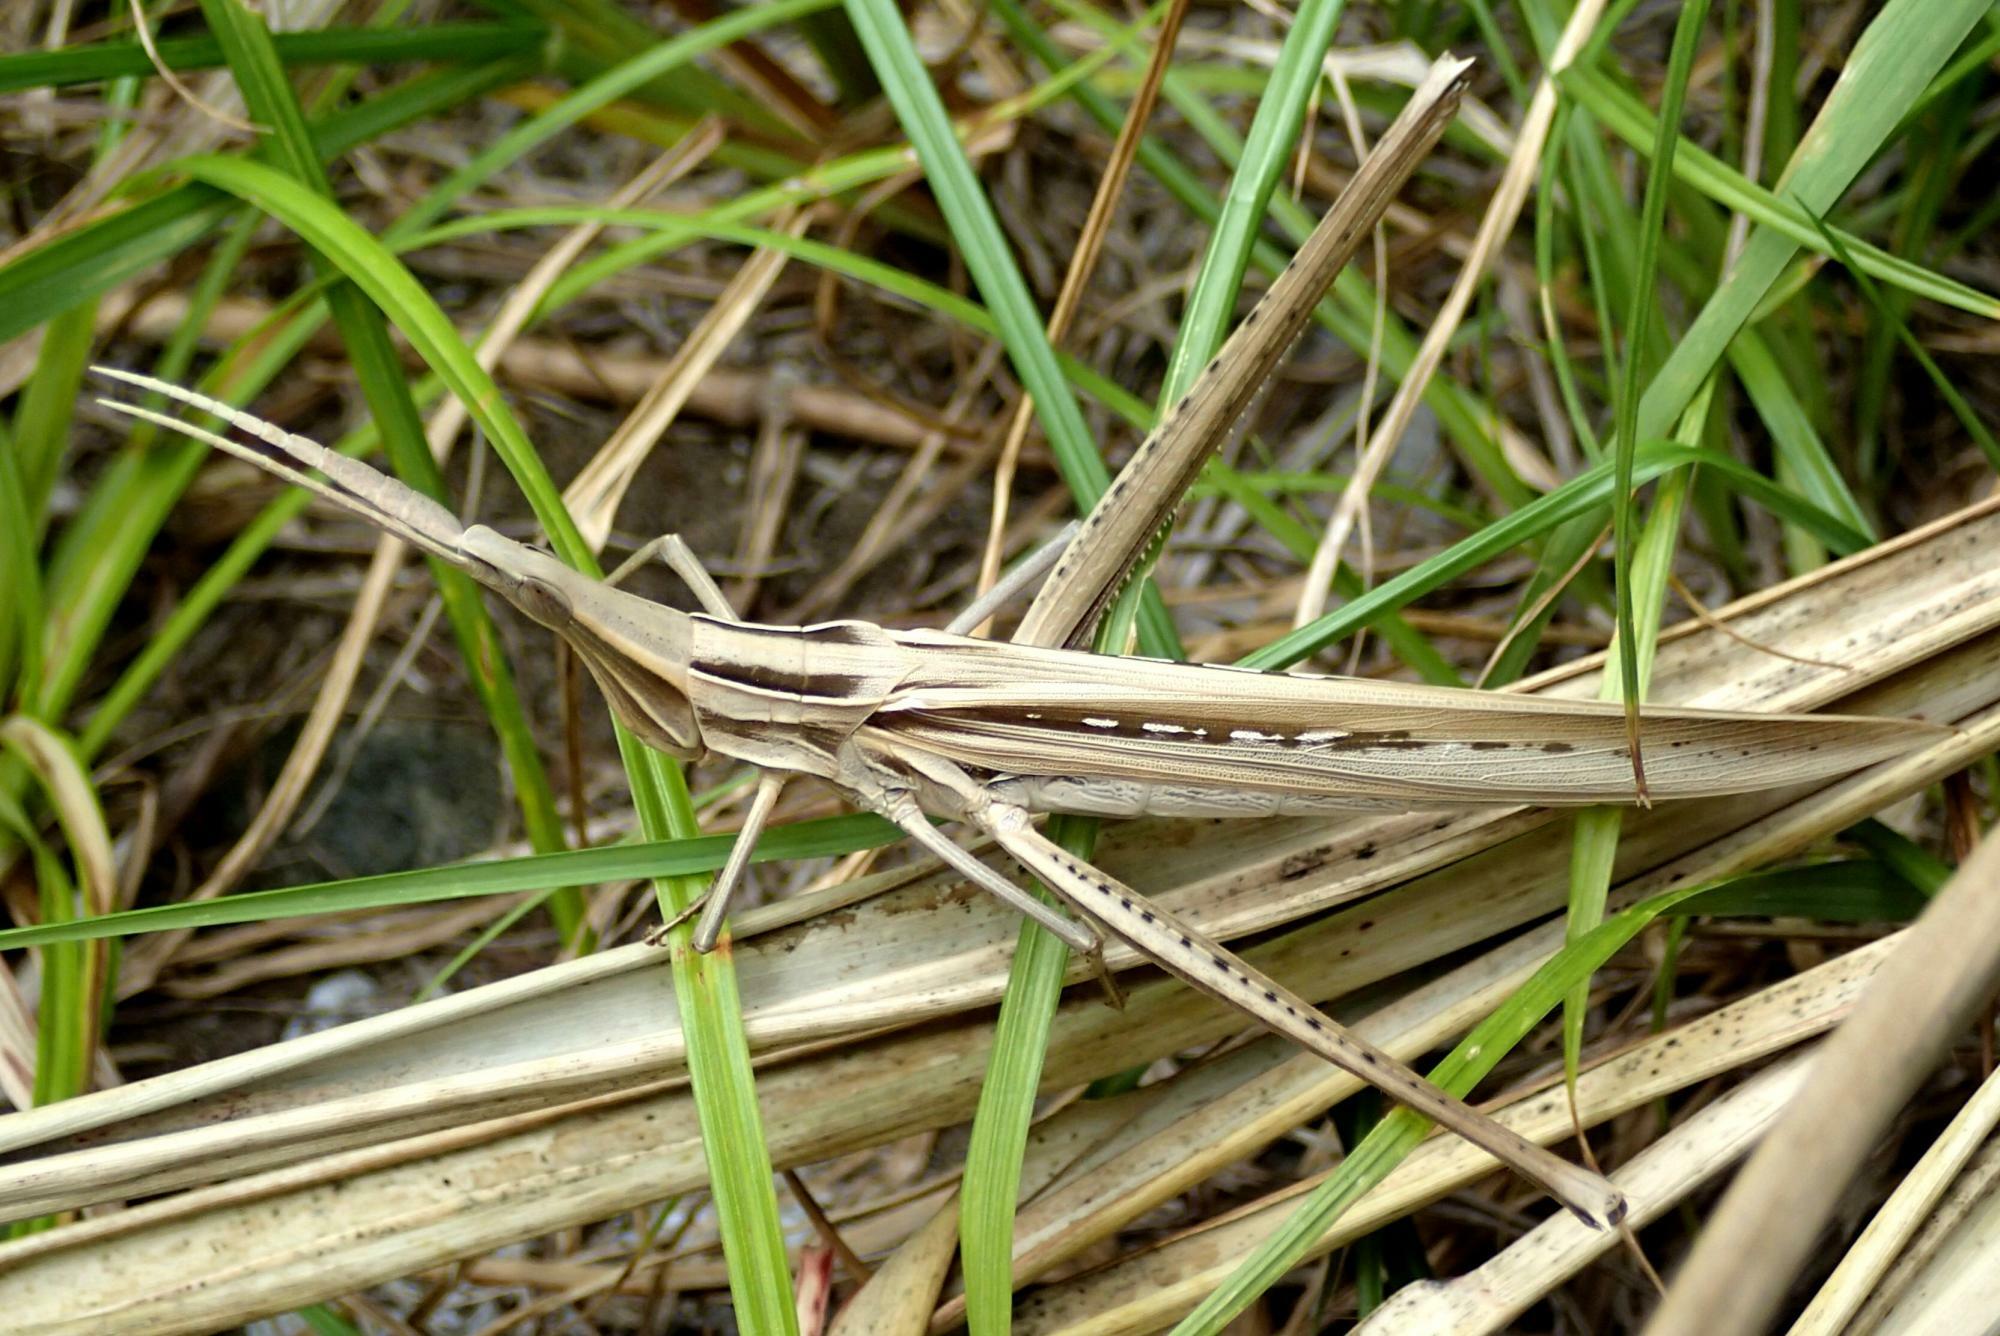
pixel 1075 933
pixel 1015 582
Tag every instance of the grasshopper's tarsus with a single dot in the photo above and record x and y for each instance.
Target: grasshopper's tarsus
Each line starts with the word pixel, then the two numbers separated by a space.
pixel 1114 996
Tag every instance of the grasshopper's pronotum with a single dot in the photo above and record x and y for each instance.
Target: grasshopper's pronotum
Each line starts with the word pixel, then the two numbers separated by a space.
pixel 914 724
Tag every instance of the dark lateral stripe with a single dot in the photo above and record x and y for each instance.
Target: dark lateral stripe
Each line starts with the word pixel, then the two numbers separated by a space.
pixel 777 682
pixel 823 633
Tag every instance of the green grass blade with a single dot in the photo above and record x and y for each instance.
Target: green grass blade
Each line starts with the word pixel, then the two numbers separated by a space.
pixel 1400 1132
pixel 988 1204
pixel 659 859
pixel 1904 47
pixel 1273 137
pixel 457 43
pixel 267 92
pixel 1887 313
pixel 107 253
pixel 1629 119
pixel 1653 213
pixel 725 1099
pixel 654 61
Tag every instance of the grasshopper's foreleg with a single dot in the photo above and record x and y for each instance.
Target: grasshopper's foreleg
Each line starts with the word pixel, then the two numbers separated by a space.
pixel 1217 971
pixel 672 551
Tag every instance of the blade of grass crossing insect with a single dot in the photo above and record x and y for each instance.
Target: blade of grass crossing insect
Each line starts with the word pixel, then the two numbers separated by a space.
pixel 1401 1131
pixel 122 514
pixel 116 519
pixel 1211 300
pixel 726 1103
pixel 1625 444
pixel 987 1205
pixel 267 92
pixel 658 859
pixel 977 234
pixel 718 1055
pixel 993 1156
pixel 1349 313
pixel 1595 830
pixel 1272 139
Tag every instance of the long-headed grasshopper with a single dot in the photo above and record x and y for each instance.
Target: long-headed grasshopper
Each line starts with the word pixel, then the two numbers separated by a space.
pixel 920 724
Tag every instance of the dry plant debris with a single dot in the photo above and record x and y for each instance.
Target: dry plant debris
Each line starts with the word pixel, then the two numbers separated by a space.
pixel 717 266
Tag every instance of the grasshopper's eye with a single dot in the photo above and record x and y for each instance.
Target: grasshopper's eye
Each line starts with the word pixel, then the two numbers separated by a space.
pixel 543 601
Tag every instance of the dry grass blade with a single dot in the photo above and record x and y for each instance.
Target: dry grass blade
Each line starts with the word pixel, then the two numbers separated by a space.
pixel 1144 1292
pixel 1945 970
pixel 1857 1280
pixel 1076 278
pixel 1944 1276
pixel 594 495
pixel 288 790
pixel 1494 1294
pixel 1908 602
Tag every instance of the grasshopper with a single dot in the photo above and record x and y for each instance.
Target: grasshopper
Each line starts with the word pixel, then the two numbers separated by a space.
pixel 920 724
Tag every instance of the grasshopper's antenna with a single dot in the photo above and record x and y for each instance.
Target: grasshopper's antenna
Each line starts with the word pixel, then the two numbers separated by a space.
pixel 348 483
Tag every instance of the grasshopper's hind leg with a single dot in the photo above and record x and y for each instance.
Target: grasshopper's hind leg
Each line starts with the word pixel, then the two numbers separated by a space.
pixel 1211 967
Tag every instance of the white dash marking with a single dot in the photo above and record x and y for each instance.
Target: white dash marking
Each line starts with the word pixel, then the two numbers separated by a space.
pixel 1321 735
pixel 1151 727
pixel 1252 735
pixel 1100 723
